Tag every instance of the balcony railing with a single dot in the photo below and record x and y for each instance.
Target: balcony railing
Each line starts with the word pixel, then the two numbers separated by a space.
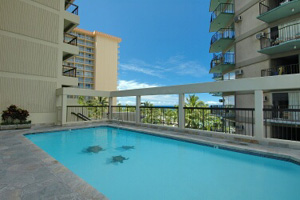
pixel 69 71
pixel 225 59
pixel 90 112
pixel 222 8
pixel 166 116
pixel 224 33
pixel 281 70
pixel 70 39
pixel 218 76
pixel 221 119
pixel 285 34
pixel 266 6
pixel 72 8
pixel 124 113
pixel 282 122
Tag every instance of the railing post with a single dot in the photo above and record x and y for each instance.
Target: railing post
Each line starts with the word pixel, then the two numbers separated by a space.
pixel 110 108
pixel 181 111
pixel 138 110
pixel 259 116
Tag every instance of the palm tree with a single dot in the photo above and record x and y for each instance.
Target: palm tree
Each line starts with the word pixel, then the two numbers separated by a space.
pixel 195 118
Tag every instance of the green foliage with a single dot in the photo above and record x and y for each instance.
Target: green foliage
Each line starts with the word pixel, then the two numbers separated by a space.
pixel 201 118
pixel 14 115
pixel 98 106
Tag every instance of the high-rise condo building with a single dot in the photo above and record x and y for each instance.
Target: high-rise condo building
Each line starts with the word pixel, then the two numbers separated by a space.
pixel 258 39
pixel 35 40
pixel 97 62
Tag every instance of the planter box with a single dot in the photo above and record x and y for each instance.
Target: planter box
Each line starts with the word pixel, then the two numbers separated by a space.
pixel 15 126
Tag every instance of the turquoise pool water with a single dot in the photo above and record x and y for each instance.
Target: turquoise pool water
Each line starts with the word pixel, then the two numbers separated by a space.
pixel 163 169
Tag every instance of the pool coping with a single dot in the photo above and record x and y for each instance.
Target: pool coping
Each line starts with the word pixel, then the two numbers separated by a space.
pixel 82 190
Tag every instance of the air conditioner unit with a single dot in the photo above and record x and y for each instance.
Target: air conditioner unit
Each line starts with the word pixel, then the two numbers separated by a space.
pixel 260 35
pixel 239 127
pixel 239 72
pixel 237 19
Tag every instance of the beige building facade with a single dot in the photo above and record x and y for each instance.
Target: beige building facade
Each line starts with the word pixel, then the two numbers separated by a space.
pixel 97 62
pixel 265 42
pixel 34 43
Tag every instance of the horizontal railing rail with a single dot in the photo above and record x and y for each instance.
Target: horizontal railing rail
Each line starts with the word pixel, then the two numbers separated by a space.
pixel 124 113
pixel 281 70
pixel 71 7
pixel 222 8
pixel 70 39
pixel 282 122
pixel 159 115
pixel 69 71
pixel 277 37
pixel 221 119
pixel 227 58
pixel 268 5
pixel 224 33
pixel 91 112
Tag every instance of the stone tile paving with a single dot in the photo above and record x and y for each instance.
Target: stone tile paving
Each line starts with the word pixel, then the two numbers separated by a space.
pixel 27 172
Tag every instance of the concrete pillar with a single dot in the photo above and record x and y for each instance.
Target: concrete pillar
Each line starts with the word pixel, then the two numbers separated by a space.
pixel 181 119
pixel 64 109
pixel 110 111
pixel 138 110
pixel 259 115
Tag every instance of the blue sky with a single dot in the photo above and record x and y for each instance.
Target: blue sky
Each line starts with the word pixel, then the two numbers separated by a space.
pixel 164 42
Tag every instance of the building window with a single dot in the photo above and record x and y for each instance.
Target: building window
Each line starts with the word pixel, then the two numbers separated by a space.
pixel 89 86
pixel 80 85
pixel 229 76
pixel 88 68
pixel 79 60
pixel 89 62
pixel 78 66
pixel 88 74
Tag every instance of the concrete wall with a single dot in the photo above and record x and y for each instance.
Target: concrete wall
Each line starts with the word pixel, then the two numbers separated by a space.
pixel 31 49
pixel 106 68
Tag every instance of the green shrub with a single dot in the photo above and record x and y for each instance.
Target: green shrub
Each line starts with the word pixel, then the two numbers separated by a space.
pixel 15 115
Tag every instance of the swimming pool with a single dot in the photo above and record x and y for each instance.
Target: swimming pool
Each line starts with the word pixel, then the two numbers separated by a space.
pixel 128 165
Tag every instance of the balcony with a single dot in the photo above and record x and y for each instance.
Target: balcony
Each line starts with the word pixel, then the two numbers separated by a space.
pixel 69 71
pixel 281 40
pixel 70 46
pixel 221 16
pixel 72 8
pixel 281 70
pixel 222 40
pixel 218 76
pixel 274 10
pixel 222 63
pixel 71 18
pixel 215 3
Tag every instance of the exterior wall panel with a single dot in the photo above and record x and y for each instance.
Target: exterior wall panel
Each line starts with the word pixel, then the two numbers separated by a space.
pixel 50 3
pixel 35 96
pixel 24 57
pixel 22 18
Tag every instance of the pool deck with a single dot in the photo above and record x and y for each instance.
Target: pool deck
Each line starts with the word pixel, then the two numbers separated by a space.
pixel 27 172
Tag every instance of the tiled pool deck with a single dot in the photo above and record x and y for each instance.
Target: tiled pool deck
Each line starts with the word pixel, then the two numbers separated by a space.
pixel 27 172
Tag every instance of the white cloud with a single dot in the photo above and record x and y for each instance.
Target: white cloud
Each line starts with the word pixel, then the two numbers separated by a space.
pixel 136 68
pixel 212 103
pixel 129 85
pixel 157 100
pixel 175 64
